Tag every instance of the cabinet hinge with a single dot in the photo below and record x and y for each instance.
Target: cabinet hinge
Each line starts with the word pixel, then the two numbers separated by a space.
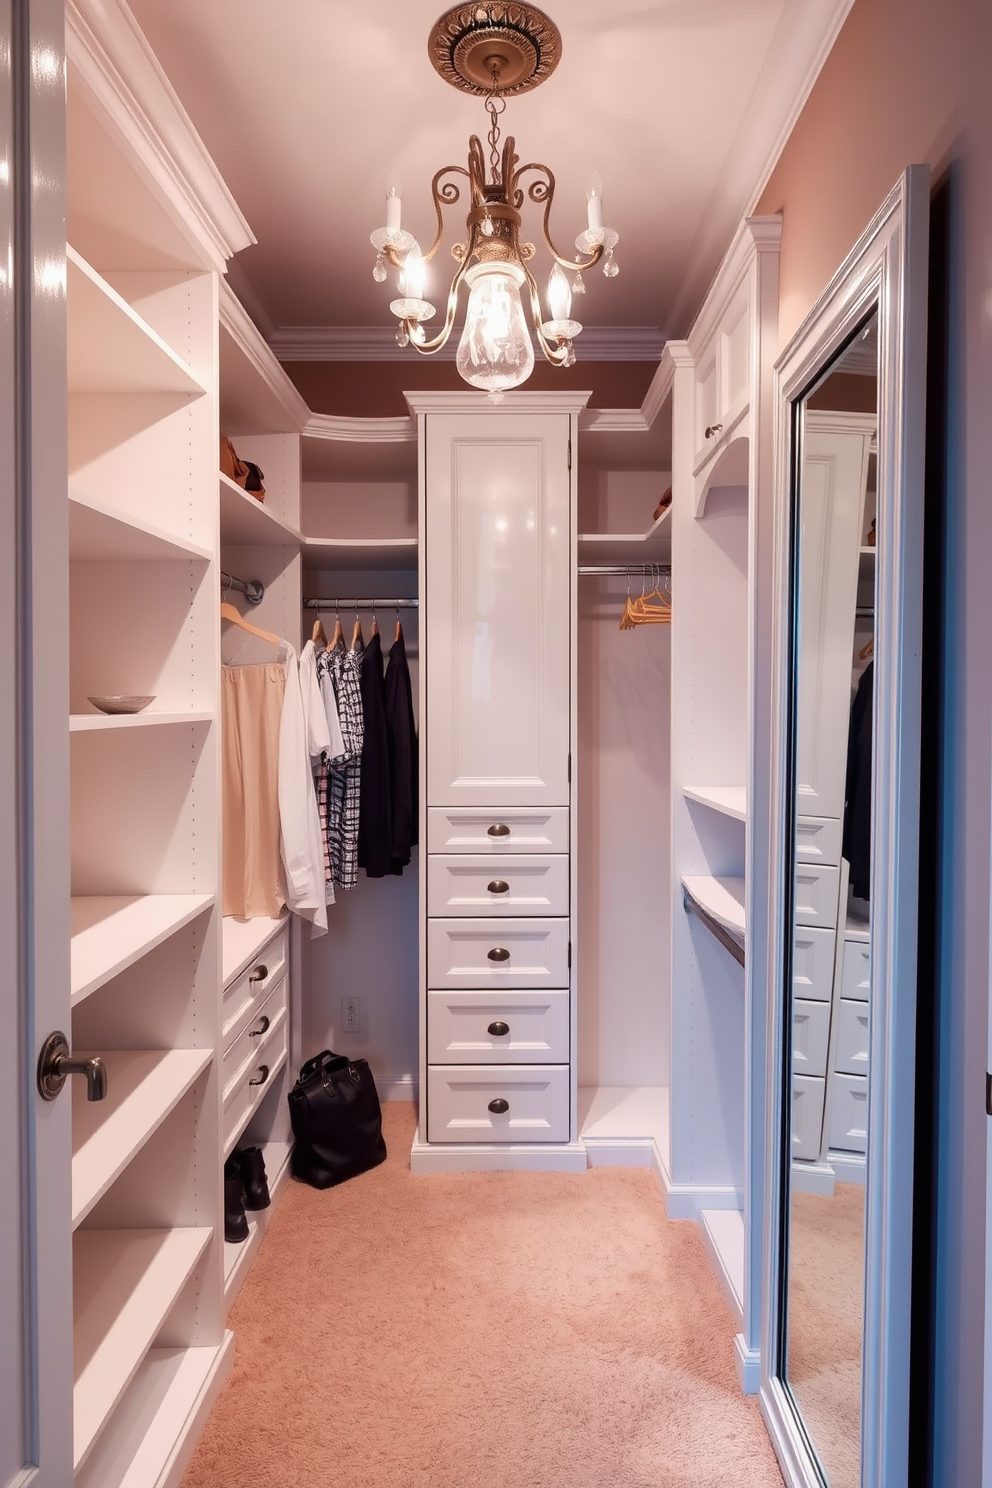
pixel 988 1093
pixel 570 452
pixel 569 955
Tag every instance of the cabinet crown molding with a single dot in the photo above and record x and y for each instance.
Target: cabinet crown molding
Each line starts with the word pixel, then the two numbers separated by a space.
pixel 513 402
pixel 243 331
pixel 756 236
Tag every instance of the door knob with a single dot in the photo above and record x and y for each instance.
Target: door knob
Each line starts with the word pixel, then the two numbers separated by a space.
pixel 55 1064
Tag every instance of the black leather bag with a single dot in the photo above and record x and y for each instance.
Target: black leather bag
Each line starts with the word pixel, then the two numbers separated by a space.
pixel 337 1120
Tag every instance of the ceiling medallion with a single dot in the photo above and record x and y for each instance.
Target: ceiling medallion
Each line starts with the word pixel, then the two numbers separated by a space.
pixel 494 49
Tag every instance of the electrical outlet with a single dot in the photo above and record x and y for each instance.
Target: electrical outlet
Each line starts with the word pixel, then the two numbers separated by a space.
pixel 351 1015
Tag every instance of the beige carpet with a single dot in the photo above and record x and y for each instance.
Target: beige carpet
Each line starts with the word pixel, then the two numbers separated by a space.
pixel 826 1318
pixel 505 1330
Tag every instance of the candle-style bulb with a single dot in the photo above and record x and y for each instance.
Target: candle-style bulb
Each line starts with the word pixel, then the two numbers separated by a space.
pixel 594 201
pixel 394 201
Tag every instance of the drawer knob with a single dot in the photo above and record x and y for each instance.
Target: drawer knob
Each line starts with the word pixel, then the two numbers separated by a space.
pixel 498 1029
pixel 263 1027
pixel 260 1076
pixel 499 829
pixel 499 1106
pixel 259 974
pixel 712 429
pixel 499 953
pixel 499 886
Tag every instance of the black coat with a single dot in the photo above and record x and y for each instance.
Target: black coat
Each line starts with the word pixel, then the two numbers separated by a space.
pixel 857 805
pixel 401 735
pixel 375 810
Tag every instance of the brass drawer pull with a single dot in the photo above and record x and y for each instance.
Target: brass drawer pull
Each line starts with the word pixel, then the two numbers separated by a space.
pixel 498 953
pixel 262 1028
pixel 498 1029
pixel 263 1075
pixel 499 886
pixel 499 829
pixel 499 1106
pixel 259 974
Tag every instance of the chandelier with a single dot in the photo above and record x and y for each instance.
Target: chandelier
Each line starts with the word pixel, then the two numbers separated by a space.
pixel 495 50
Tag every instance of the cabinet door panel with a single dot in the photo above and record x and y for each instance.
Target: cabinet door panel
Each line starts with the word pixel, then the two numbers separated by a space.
pixel 498 597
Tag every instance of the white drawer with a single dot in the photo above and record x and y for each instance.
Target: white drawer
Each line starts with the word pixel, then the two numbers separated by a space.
pixel 856 975
pixel 247 991
pixel 245 1094
pixel 469 954
pixel 817 888
pixel 500 1028
pixel 534 829
pixel 241 1055
pixel 847 1120
pixel 851 1047
pixel 813 963
pixel 470 884
pixel 505 1105
pixel 807 1115
pixel 818 839
pixel 810 1037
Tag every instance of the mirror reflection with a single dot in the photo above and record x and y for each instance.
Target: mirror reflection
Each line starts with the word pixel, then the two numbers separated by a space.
pixel 834 602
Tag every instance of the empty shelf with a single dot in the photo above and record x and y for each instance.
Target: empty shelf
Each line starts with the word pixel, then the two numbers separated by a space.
pixel 84 723
pixel 143 1086
pixel 719 904
pixel 357 553
pixel 99 530
pixel 729 800
pixel 246 520
pixel 111 932
pixel 124 1283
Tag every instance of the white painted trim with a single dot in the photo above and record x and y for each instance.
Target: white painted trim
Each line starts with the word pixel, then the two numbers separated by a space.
pixel 848 1167
pixel 172 1473
pixel 747 1363
pixel 787 1435
pixel 522 401
pixel 238 324
pixel 755 235
pixel 377 343
pixel 539 1157
pixel 398 1088
pixel 813 1177
pixel 360 430
pixel 129 87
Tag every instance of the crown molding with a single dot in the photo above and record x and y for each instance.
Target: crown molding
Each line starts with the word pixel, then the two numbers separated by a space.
pixel 360 430
pixel 248 339
pixel 378 344
pixel 517 400
pixel 115 64
pixel 754 236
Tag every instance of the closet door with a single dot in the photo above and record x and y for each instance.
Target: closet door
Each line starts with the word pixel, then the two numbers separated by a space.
pixel 497 612
pixel 35 1251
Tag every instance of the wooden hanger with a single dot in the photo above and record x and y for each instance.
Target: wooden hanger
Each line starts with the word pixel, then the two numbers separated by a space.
pixel 228 612
pixel 375 624
pixel 319 633
pixel 356 634
pixel 868 649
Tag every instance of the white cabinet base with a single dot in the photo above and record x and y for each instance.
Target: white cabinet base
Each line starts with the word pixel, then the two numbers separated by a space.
pixel 487 1157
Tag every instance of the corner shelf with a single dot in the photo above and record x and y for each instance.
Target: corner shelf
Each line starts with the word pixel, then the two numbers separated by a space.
pixel 143 1086
pixel 627 547
pixel 99 530
pixel 238 1257
pixel 729 800
pixel 111 932
pixel 350 554
pixel 719 904
pixel 125 1283
pixel 110 348
pixel 246 521
pixel 81 723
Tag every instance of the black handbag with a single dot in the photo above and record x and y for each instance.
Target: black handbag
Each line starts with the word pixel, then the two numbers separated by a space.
pixel 337 1120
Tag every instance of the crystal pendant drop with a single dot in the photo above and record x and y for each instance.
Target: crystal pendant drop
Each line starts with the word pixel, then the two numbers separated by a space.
pixel 569 356
pixel 402 336
pixel 578 284
pixel 487 227
pixel 611 268
pixel 379 272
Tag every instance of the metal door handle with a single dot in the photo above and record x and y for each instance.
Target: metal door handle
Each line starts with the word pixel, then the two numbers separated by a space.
pixel 499 1106
pixel 499 886
pixel 498 1029
pixel 259 974
pixel 262 1028
pixel 498 953
pixel 263 1075
pixel 712 429
pixel 499 829
pixel 55 1064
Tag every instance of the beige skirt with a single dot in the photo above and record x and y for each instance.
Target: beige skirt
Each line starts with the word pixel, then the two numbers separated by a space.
pixel 251 697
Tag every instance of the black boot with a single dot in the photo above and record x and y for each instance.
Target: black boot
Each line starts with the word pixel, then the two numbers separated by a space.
pixel 253 1178
pixel 235 1222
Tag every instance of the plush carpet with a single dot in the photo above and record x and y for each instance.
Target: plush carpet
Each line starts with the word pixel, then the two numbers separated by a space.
pixel 502 1330
pixel 826 1320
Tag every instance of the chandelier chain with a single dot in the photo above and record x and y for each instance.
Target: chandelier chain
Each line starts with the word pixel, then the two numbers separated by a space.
pixel 494 131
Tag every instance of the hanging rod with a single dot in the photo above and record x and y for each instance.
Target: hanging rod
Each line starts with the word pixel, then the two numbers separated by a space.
pixel 625 570
pixel 252 589
pixel 360 604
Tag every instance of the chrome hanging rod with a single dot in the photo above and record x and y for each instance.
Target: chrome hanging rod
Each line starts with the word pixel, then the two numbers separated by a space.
pixel 625 570
pixel 252 589
pixel 360 604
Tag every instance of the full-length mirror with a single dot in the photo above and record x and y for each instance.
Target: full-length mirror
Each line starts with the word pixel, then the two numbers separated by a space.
pixel 842 1004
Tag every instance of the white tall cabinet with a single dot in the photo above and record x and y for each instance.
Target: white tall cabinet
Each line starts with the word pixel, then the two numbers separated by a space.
pixel 497 724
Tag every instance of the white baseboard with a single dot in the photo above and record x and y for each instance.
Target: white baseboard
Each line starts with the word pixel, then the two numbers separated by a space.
pixel 687 1200
pixel 747 1362
pixel 849 1167
pixel 538 1157
pixel 398 1087
pixel 621 1152
pixel 813 1177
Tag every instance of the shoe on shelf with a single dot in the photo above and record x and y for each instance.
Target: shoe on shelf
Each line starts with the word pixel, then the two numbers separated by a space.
pixel 235 1220
pixel 253 1177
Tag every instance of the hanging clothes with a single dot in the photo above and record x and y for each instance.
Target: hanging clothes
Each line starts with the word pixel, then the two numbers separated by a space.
pixel 251 707
pixel 375 813
pixel 401 737
pixel 344 782
pixel 856 846
pixel 320 745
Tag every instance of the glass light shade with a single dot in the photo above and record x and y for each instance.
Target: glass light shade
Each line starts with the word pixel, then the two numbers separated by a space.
pixel 495 350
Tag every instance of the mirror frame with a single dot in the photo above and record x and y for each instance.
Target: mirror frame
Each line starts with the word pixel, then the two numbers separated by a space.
pixel 888 268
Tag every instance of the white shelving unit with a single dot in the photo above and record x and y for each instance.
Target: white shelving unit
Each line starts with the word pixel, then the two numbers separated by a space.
pixel 652 546
pixel 238 1257
pixel 723 1231
pixel 247 522
pixel 359 554
pixel 99 530
pixel 81 723
pixel 728 800
pixel 111 932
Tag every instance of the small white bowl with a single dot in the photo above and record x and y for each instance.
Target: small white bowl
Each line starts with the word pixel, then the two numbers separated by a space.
pixel 122 703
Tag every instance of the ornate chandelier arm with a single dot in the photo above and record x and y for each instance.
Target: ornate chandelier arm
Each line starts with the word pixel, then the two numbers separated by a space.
pixel 427 348
pixel 555 354
pixel 446 196
pixel 542 192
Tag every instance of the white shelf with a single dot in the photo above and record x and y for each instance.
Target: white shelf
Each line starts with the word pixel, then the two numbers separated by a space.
pixel 164 1406
pixel 619 1113
pixel 238 1257
pixel 729 800
pixel 241 941
pixel 246 521
pixel 110 348
pixel 125 1283
pixel 82 723
pixel 111 932
pixel 723 1232
pixel 99 530
pixel 143 1086
pixel 357 553
pixel 723 898
pixel 627 547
